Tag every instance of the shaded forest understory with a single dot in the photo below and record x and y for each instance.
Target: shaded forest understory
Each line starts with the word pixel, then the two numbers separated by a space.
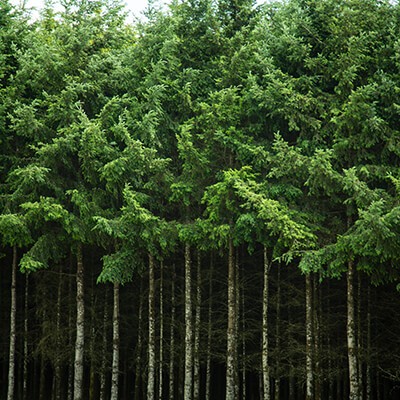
pixel 200 205
pixel 50 332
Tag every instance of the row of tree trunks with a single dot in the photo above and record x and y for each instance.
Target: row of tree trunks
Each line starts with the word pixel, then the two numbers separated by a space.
pixel 191 389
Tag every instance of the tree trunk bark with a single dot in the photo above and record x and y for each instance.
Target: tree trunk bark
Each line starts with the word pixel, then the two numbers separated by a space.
pixel 209 332
pixel 244 369
pixel 70 383
pixel 278 337
pixel 351 335
pixel 359 338
pixel 309 340
pixel 172 339
pixel 188 385
pixel 57 372
pixel 80 326
pixel 161 347
pixel 103 368
pixel 368 372
pixel 152 333
pixel 265 360
pixel 13 315
pixel 196 364
pixel 115 361
pixel 316 336
pixel 26 349
pixel 231 357
pixel 138 358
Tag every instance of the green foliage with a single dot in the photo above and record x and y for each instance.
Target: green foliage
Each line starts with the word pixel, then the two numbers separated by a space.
pixel 14 230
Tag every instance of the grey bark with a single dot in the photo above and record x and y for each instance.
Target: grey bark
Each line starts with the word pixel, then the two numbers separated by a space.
pixel 188 384
pixel 152 333
pixel 105 342
pixel 368 371
pixel 265 330
pixel 359 337
pixel 13 314
pixel 196 363
pixel 26 350
pixel 309 340
pixel 57 373
pixel 115 360
pixel 172 338
pixel 80 326
pixel 351 335
pixel 316 337
pixel 209 333
pixel 278 336
pixel 138 358
pixel 161 347
pixel 231 353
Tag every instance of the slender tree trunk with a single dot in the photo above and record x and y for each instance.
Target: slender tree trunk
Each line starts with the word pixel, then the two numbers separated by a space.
pixel 152 333
pixel 265 354
pixel 278 337
pixel 80 326
pixel 103 368
pixel 70 384
pixel 188 385
pixel 309 340
pixel 115 361
pixel 196 364
pixel 351 335
pixel 209 332
pixel 316 330
pixel 359 338
pixel 26 349
pixel 138 358
pixel 172 339
pixel 13 315
pixel 57 372
pixel 231 358
pixel 161 346
pixel 237 317
pixel 368 372
pixel 244 369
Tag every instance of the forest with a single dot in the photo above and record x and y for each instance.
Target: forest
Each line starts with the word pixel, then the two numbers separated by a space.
pixel 202 204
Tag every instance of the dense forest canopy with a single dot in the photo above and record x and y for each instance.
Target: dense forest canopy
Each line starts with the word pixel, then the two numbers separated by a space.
pixel 203 204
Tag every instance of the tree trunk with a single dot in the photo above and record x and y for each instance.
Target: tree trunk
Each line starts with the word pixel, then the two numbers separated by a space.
pixel 138 358
pixel 368 371
pixel 237 317
pixel 231 356
pixel 309 340
pixel 152 333
pixel 265 361
pixel 26 349
pixel 13 315
pixel 70 383
pixel 161 347
pixel 196 364
pixel 278 337
pixel 80 326
pixel 172 339
pixel 103 368
pixel 351 335
pixel 115 361
pixel 209 332
pixel 244 369
pixel 188 385
pixel 359 337
pixel 57 372
pixel 316 330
